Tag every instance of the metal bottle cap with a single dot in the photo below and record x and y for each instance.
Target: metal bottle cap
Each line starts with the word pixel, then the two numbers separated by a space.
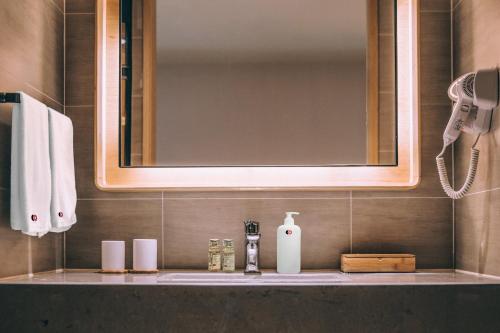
pixel 251 227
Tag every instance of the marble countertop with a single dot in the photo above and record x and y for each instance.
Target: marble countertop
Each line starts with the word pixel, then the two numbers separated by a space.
pixel 269 278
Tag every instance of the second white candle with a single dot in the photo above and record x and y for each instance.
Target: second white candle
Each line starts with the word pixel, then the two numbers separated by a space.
pixel 145 255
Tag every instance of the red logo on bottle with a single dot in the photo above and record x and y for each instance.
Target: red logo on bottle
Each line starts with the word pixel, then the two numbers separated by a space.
pixel 288 232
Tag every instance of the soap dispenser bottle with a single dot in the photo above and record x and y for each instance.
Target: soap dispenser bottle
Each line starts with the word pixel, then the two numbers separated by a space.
pixel 288 246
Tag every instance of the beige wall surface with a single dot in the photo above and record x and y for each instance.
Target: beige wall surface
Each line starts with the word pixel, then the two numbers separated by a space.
pixel 261 114
pixel 31 60
pixel 476 27
pixel 261 83
pixel 417 221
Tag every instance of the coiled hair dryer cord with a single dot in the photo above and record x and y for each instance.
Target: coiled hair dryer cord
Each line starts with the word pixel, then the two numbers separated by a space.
pixel 471 174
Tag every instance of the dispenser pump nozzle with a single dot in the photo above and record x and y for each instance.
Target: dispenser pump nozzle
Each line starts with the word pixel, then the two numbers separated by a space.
pixel 289 218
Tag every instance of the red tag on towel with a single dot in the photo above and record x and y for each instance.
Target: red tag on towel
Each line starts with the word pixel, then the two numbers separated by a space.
pixel 34 218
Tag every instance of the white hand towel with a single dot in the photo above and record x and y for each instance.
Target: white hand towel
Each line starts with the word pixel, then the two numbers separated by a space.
pixel 63 204
pixel 30 168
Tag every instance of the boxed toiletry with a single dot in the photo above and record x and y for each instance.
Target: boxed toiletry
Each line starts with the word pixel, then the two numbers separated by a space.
pixel 378 263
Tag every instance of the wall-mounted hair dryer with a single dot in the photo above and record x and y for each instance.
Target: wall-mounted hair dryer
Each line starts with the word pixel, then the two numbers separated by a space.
pixel 475 95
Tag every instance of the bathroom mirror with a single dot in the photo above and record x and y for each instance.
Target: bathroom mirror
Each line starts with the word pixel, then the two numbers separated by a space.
pixel 257 83
pixel 262 94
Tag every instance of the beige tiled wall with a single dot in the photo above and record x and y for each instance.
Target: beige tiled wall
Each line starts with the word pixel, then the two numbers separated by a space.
pixel 476 27
pixel 418 221
pixel 31 60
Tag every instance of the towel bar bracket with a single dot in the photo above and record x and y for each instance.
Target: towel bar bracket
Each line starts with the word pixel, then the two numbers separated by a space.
pixel 10 97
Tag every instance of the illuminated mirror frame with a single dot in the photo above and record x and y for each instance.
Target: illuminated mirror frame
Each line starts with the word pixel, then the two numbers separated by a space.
pixel 110 176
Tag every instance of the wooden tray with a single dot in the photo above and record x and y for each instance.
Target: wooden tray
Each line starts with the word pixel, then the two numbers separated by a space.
pixel 378 263
pixel 143 272
pixel 125 271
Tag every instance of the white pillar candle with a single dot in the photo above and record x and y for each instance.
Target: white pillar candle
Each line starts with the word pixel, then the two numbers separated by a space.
pixel 113 255
pixel 145 253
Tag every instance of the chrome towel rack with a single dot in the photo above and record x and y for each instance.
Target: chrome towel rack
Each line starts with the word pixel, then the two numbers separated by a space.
pixel 10 97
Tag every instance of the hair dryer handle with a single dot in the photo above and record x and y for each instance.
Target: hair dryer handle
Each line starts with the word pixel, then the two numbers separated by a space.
pixel 456 122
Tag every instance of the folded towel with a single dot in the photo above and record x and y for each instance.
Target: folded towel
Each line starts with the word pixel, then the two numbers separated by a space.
pixel 63 204
pixel 30 168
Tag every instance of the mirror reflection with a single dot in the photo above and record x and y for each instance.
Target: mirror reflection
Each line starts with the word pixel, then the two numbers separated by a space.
pixel 257 83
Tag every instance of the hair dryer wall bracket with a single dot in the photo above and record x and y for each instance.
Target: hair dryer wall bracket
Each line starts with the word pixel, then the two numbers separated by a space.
pixel 475 96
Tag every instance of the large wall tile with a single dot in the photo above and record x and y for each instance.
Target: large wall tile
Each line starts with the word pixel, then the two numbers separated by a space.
pixel 476 46
pixel 488 172
pixel 22 254
pixel 454 3
pixel 47 252
pixel 100 220
pixel 80 6
pixel 80 37
pixel 12 82
pixel 13 244
pixel 31 60
pixel 5 139
pixel 190 223
pixel 32 45
pixel 478 233
pixel 476 30
pixel 258 195
pixel 59 4
pixel 435 5
pixel 420 226
pixel 435 57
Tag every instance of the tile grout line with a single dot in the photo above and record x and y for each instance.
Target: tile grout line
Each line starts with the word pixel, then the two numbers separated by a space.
pixel 350 220
pixel 394 198
pixel 64 108
pixel 80 13
pixel 44 94
pixel 453 8
pixel 117 199
pixel 64 56
pixel 162 234
pixel 452 74
pixel 434 11
pixel 58 8
pixel 483 191
pixel 447 104
pixel 261 198
pixel 64 250
pixel 30 258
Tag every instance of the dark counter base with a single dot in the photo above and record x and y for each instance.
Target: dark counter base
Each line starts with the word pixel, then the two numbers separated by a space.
pixel 94 308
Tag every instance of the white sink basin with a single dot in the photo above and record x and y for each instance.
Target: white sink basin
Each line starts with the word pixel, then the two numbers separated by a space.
pixel 266 278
